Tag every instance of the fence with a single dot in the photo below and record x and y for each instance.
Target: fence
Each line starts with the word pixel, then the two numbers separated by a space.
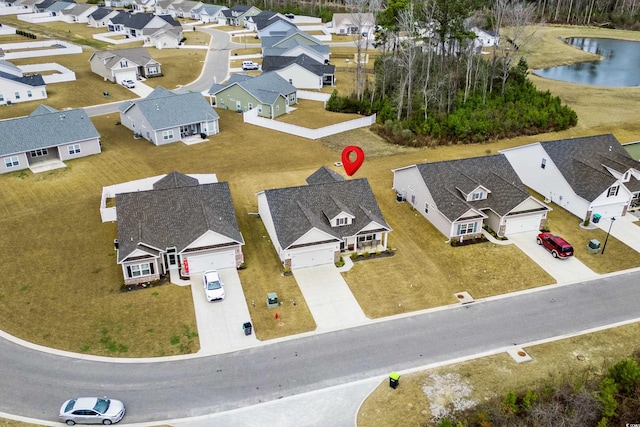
pixel 63 73
pixel 32 49
pixel 251 117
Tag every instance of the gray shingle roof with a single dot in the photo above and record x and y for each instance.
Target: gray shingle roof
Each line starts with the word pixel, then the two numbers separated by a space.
pixel 296 210
pixel 164 109
pixel 582 162
pixel 273 63
pixel 33 80
pixel 45 129
pixel 100 13
pixel 324 175
pixel 266 87
pixel 137 55
pixel 174 216
pixel 140 20
pixel 449 182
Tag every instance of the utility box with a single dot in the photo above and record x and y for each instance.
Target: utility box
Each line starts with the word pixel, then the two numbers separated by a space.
pixel 593 246
pixel 272 299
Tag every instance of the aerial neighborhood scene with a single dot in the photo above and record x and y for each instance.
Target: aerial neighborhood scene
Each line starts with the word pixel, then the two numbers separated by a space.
pixel 349 213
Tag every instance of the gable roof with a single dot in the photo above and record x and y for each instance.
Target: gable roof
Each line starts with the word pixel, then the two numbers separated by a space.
pixel 209 9
pixel 139 21
pixel 582 162
pixel 137 55
pixel 323 175
pixel 163 108
pixel 273 63
pixel 266 87
pixel 44 129
pixel 450 181
pixel 32 80
pixel 78 9
pixel 175 214
pixel 296 210
pixel 100 13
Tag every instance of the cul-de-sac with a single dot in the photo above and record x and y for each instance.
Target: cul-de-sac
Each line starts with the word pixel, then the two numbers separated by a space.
pixel 352 213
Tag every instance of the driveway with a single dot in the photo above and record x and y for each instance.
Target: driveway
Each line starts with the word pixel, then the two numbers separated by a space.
pixel 220 323
pixel 563 270
pixel 329 298
pixel 624 228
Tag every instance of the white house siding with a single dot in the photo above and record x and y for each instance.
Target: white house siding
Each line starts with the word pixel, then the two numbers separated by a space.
pixel 23 163
pixel 300 77
pixel 549 182
pixel 612 206
pixel 87 148
pixel 267 220
pixel 299 50
pixel 9 88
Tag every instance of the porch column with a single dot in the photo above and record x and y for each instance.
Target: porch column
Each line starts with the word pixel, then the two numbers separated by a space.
pixel 385 239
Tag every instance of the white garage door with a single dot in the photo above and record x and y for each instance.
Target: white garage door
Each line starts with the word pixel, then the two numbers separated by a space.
pixel 311 258
pixel 608 211
pixel 522 224
pixel 214 261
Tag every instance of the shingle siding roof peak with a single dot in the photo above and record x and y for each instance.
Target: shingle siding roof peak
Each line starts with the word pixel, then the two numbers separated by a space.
pixel 580 160
pixel 450 181
pixel 34 80
pixel 266 87
pixel 323 175
pixel 175 216
pixel 272 63
pixel 297 210
pixel 44 130
pixel 175 180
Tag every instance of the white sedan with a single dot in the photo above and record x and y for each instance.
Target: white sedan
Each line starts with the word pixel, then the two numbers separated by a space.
pixel 213 287
pixel 91 410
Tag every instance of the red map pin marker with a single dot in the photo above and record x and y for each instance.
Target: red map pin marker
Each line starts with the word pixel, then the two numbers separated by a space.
pixel 352 166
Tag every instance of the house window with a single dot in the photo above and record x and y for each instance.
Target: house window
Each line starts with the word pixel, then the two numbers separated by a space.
pixel 367 238
pixel 11 162
pixel 74 149
pixel 152 70
pixel 543 164
pixel 167 135
pixel 139 270
pixel 467 228
pixel 477 196
pixel 39 152
pixel 17 95
pixel 260 108
pixel 426 208
pixel 29 94
pixel 277 108
pixel 342 221
pixel 613 191
pixel 124 63
pixel 1 97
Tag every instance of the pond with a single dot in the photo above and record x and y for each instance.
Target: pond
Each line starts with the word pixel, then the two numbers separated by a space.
pixel 619 66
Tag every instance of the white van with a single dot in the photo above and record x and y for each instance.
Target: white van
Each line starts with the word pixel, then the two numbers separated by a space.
pixel 249 65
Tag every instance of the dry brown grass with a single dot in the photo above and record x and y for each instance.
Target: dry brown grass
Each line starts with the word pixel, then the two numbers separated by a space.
pixel 311 114
pixel 494 376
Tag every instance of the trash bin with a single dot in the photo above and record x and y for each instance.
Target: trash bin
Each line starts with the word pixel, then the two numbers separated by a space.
pixel 394 380
pixel 247 328
pixel 596 218
pixel 399 197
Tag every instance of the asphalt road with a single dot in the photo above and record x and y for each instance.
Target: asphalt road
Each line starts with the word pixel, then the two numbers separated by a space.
pixel 35 383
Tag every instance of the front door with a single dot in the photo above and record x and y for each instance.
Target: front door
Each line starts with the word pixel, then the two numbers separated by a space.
pixel 172 259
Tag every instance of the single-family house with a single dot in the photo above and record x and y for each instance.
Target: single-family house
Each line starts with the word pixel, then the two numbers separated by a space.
pixel 459 197
pixel 301 71
pixel 293 43
pixel 275 25
pixel 183 9
pixel 133 24
pixel 78 13
pixel 263 19
pixel 161 7
pixel 144 6
pixel 315 224
pixel 118 3
pixel 164 116
pixel 362 24
pixel 46 135
pixel 584 175
pixel 208 13
pixel 269 93
pixel 16 87
pixel 181 225
pixel 485 38
pixel 167 37
pixel 238 13
pixel 124 64
pixel 101 17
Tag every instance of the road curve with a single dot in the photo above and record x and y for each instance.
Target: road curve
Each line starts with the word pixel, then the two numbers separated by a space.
pixel 35 383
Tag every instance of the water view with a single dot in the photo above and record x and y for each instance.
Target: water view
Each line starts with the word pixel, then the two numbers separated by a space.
pixel 619 66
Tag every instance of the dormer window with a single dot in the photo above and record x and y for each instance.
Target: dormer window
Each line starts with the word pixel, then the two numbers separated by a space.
pixel 342 221
pixel 124 63
pixel 613 191
pixel 478 195
pixel 626 176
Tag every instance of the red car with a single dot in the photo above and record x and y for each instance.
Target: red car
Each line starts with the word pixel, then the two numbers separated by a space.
pixel 558 247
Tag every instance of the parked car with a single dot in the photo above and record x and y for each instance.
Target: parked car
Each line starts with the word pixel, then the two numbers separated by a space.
pixel 91 410
pixel 128 84
pixel 213 286
pixel 249 65
pixel 558 247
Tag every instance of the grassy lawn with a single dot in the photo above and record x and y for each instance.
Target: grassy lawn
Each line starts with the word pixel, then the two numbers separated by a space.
pixel 311 114
pixel 409 405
